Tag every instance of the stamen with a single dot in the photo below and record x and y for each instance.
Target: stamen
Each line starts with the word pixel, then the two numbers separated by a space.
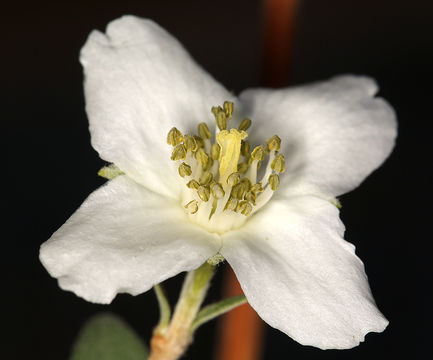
pixel 279 165
pixel 274 181
pixel 203 193
pixel 192 206
pixel 206 178
pixel 258 153
pixel 231 205
pixel 202 157
pixel 228 109
pixel 174 137
pixel 220 173
pixel 217 191
pixel 208 164
pixel 233 179
pixel 246 183
pixel 238 191
pixel 242 167
pixel 257 188
pixel 193 184
pixel 178 153
pixel 245 124
pixel 190 143
pixel 184 170
pixel 215 151
pixel 220 117
pixel 274 143
pixel 244 207
pixel 245 148
pixel 251 197
pixel 199 141
pixel 203 131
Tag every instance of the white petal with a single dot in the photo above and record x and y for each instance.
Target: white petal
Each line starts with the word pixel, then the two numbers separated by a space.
pixel 301 277
pixel 124 238
pixel 334 133
pixel 139 83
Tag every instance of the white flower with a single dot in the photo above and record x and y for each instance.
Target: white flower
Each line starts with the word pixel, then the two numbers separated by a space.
pixel 295 269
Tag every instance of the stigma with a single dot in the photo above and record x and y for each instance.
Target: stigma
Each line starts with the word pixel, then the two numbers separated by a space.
pixel 225 181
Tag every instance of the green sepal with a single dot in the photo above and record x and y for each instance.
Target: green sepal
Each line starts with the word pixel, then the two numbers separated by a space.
pixel 211 311
pixel 110 172
pixel 107 337
pixel 164 309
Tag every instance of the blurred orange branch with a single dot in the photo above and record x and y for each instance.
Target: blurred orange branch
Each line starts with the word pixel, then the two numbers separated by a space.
pixel 241 335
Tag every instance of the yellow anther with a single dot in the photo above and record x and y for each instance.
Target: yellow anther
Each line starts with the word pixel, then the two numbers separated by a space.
pixel 274 143
pixel 206 178
pixel 216 109
pixel 184 170
pixel 251 196
pixel 230 143
pixel 202 157
pixel 242 167
pixel 193 184
pixel 233 179
pixel 203 131
pixel 245 147
pixel 246 183
pixel 238 191
pixel 274 181
pixel 174 137
pixel 203 193
pixel 192 206
pixel 221 120
pixel 215 151
pixel 231 204
pixel 199 141
pixel 208 164
pixel 258 153
pixel 279 165
pixel 178 153
pixel 217 191
pixel 228 109
pixel 257 188
pixel 190 143
pixel 245 124
pixel 244 207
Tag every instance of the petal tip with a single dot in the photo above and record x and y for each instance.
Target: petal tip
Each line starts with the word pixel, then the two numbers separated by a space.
pixel 364 82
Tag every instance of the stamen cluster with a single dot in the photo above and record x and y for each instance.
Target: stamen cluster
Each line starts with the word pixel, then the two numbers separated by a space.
pixel 221 189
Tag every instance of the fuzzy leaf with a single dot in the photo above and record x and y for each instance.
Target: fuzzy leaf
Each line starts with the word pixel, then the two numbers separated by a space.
pixel 107 337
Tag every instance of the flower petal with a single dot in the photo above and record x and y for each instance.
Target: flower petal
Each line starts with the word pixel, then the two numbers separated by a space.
pixel 124 238
pixel 334 133
pixel 300 275
pixel 139 83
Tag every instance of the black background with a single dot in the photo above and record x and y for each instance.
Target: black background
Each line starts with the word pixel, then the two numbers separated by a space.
pixel 51 167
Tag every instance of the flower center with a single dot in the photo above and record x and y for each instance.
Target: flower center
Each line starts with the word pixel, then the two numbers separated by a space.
pixel 220 189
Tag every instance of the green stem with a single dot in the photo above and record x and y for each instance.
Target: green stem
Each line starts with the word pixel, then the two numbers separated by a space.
pixel 172 343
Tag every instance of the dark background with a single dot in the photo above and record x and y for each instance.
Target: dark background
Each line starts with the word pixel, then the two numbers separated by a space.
pixel 51 167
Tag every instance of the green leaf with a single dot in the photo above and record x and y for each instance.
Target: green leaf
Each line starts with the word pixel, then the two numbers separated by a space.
pixel 107 337
pixel 213 310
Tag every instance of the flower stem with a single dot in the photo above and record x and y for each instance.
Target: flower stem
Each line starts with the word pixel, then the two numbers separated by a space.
pixel 170 342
